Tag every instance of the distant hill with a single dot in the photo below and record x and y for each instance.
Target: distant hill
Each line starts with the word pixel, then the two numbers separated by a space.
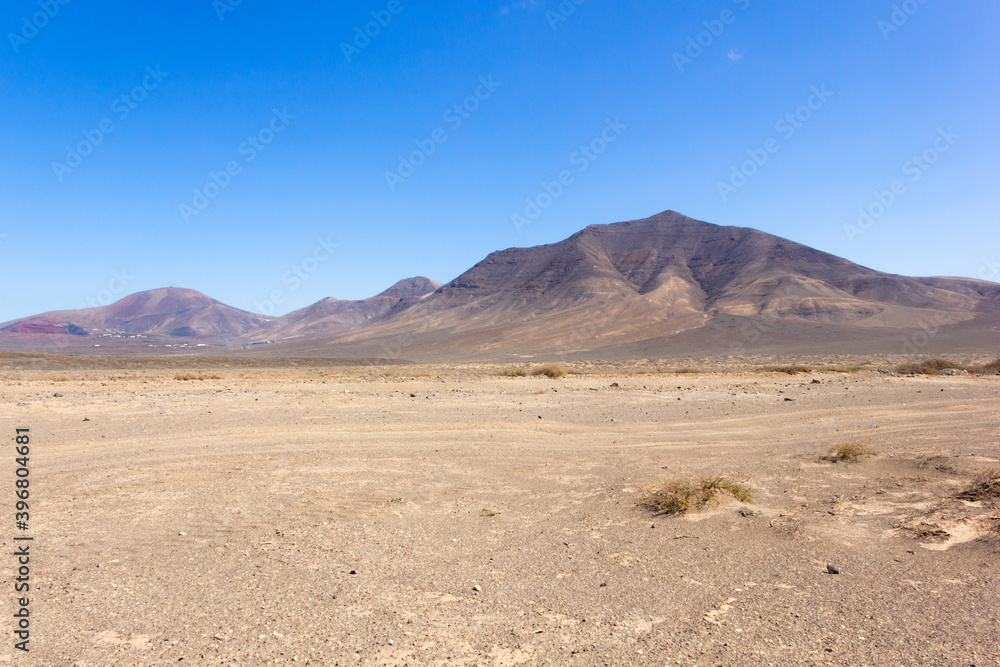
pixel 170 311
pixel 334 316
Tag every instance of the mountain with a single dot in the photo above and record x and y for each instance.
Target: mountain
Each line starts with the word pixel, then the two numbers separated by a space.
pixel 670 284
pixel 170 311
pixel 663 286
pixel 333 316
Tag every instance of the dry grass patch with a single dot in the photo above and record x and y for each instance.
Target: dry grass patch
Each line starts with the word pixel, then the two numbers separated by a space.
pixel 930 367
pixel 677 496
pixel 192 377
pixel 57 378
pixel 991 368
pixel 985 485
pixel 686 371
pixel 790 370
pixel 512 373
pixel 849 451
pixel 554 371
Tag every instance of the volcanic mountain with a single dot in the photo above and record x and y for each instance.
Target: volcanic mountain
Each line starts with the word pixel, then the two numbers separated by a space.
pixel 170 311
pixel 670 284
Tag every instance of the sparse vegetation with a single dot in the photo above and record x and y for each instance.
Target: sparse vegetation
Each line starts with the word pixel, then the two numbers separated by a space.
pixel 57 378
pixel 849 451
pixel 554 371
pixel 844 369
pixel 991 368
pixel 790 370
pixel 191 377
pixel 678 496
pixel 512 373
pixel 930 367
pixel 985 485
pixel 687 371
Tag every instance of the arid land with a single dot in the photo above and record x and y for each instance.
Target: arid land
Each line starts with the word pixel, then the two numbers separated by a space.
pixel 232 514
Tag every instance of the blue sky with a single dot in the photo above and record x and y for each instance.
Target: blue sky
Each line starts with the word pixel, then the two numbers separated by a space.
pixel 300 133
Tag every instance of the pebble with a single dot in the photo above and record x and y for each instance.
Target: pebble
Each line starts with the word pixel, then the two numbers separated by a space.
pixel 832 570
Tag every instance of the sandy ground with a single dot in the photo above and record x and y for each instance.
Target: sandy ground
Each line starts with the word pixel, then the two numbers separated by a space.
pixel 431 516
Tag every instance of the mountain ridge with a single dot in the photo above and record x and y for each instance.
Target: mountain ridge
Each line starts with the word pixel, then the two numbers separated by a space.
pixel 662 278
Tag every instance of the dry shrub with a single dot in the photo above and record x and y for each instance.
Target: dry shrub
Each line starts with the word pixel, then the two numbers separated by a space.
pixel 992 367
pixel 686 371
pixel 191 377
pixel 512 373
pixel 849 450
pixel 845 369
pixel 985 485
pixel 930 367
pixel 677 496
pixel 554 371
pixel 57 378
pixel 790 370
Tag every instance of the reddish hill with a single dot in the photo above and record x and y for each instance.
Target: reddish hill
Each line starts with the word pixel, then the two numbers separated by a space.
pixel 170 311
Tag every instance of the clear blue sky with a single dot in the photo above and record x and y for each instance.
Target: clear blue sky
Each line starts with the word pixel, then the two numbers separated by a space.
pixel 219 81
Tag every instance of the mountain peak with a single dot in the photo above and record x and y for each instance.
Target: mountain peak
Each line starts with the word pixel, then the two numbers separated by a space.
pixel 411 287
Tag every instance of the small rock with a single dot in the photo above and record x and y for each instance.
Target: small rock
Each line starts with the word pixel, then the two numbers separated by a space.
pixel 86 419
pixel 354 571
pixel 748 511
pixel 57 395
pixel 477 588
pixel 832 570
pixel 614 385
pixel 789 400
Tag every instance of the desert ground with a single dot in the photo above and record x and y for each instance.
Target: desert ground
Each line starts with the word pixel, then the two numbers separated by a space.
pixel 226 514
